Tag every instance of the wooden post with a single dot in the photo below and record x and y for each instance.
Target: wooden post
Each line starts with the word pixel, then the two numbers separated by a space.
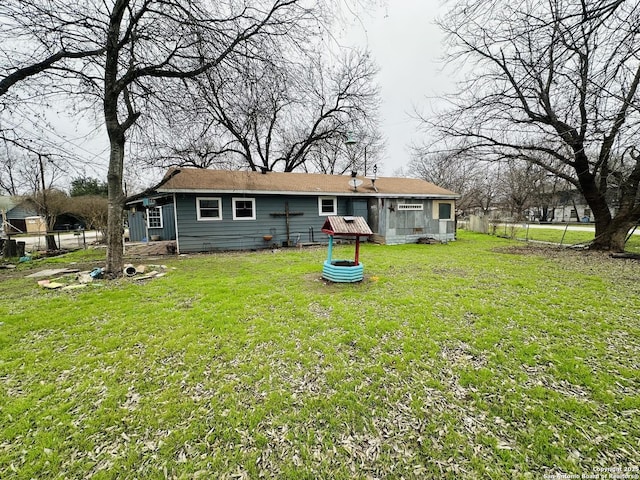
pixel 357 250
pixel 287 214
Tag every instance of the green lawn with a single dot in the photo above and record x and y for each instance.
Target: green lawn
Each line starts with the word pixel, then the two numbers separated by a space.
pixel 559 236
pixel 483 358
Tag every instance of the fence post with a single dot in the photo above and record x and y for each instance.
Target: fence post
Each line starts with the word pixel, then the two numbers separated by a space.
pixel 566 227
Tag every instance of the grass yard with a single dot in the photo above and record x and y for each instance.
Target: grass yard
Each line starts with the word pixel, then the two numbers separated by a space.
pixel 483 358
pixel 560 236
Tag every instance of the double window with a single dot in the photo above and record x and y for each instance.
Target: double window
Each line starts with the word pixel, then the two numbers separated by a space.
pixel 209 209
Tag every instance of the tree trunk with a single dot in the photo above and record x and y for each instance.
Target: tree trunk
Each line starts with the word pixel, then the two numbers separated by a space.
pixel 614 236
pixel 51 242
pixel 115 229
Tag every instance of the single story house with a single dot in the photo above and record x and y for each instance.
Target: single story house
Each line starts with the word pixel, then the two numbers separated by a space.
pixel 205 210
pixel 15 212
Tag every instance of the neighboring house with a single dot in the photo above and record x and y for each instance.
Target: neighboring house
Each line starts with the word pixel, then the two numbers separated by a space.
pixel 206 210
pixel 20 215
pixel 15 211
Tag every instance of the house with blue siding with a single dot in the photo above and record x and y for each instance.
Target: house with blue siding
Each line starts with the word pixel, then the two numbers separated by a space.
pixel 207 210
pixel 14 212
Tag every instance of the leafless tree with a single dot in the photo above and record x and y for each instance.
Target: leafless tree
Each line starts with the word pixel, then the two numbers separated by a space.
pixel 276 110
pixel 457 173
pixel 123 53
pixel 336 156
pixel 93 209
pixel 521 184
pixel 554 84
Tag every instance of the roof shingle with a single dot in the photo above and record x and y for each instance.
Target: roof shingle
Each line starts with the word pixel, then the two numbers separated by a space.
pixel 204 180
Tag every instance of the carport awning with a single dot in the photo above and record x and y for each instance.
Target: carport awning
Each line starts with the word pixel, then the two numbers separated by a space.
pixel 349 226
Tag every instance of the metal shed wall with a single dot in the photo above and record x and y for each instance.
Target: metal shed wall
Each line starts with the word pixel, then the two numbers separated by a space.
pixel 396 227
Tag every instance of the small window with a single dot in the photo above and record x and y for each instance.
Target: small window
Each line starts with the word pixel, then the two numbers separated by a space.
pixel 410 206
pixel 209 208
pixel 244 208
pixel 154 217
pixel 444 210
pixel 327 206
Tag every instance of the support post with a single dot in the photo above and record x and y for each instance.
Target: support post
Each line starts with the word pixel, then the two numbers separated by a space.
pixel 357 259
pixel 330 249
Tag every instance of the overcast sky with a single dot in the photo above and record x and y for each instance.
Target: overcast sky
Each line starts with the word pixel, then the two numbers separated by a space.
pixel 407 46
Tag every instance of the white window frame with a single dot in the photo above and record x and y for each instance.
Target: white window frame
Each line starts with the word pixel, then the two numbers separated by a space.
pixel 410 206
pixel 234 200
pixel 199 209
pixel 436 210
pixel 159 209
pixel 335 206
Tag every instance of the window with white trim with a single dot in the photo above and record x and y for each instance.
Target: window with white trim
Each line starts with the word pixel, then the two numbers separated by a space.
pixel 209 208
pixel 410 206
pixel 443 210
pixel 327 206
pixel 244 208
pixel 154 217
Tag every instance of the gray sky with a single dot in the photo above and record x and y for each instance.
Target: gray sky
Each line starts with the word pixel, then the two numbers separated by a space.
pixel 404 42
pixel 407 46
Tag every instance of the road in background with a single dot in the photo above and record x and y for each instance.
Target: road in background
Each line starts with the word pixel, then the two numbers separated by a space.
pixel 65 240
pixel 589 227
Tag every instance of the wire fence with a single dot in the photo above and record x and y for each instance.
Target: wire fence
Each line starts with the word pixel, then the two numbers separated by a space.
pixel 570 234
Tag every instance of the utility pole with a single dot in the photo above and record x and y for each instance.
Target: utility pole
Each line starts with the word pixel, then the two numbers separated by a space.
pixel 51 240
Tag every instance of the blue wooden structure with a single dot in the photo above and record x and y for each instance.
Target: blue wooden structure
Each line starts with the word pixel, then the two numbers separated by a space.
pixel 344 271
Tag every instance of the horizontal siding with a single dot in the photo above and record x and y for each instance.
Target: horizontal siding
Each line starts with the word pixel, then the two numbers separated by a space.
pixel 229 234
pixel 407 226
pixel 137 225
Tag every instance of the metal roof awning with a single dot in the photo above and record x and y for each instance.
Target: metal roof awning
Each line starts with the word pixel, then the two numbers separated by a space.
pixel 347 225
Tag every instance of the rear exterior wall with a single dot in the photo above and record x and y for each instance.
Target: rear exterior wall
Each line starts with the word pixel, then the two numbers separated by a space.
pixel 226 233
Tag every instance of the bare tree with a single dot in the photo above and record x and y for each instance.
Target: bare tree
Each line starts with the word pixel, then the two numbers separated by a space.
pixel 454 172
pixel 522 184
pixel 93 209
pixel 273 111
pixel 131 51
pixel 554 84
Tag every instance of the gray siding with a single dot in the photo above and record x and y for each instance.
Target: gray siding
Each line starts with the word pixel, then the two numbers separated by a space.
pixel 385 218
pixel 229 234
pixel 137 225
pixel 407 226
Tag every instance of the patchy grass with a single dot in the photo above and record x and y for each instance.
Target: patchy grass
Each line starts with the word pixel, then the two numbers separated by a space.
pixel 560 236
pixel 483 358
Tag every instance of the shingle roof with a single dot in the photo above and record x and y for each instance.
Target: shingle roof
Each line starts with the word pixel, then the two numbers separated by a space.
pixel 346 226
pixel 225 181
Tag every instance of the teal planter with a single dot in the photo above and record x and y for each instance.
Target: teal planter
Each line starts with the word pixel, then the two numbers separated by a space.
pixel 342 271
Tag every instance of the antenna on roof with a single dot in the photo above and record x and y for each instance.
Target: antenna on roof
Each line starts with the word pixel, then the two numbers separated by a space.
pixel 374 178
